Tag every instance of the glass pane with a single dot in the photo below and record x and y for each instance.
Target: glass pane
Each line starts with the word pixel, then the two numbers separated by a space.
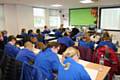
pixel 38 12
pixel 54 20
pixel 38 21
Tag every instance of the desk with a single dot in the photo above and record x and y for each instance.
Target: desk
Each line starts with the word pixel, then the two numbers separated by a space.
pixel 101 74
pixel 19 39
pixel 48 38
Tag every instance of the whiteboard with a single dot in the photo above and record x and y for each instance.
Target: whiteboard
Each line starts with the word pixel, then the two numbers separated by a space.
pixel 110 18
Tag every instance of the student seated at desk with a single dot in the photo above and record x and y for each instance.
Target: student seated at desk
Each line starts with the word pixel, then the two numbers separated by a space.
pixel 70 69
pixel 40 36
pixel 34 40
pixel 109 59
pixel 83 42
pixel 31 33
pixel 26 54
pixel 46 30
pixel 5 36
pixel 86 42
pixel 66 40
pixel 10 48
pixel 62 29
pixel 58 33
pixel 74 32
pixel 23 33
pixel 106 41
pixel 47 61
pixel 40 46
pixel 1 41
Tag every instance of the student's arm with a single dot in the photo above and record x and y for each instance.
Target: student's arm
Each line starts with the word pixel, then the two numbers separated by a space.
pixel 31 58
pixel 71 42
pixel 83 74
pixel 16 50
pixel 55 63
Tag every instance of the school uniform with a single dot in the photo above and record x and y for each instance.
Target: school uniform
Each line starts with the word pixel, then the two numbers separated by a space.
pixel 108 43
pixel 78 35
pixel 46 32
pixel 5 39
pixel 91 45
pixel 1 43
pixel 58 34
pixel 25 55
pixel 24 35
pixel 40 37
pixel 11 50
pixel 83 44
pixel 74 71
pixel 47 61
pixel 66 41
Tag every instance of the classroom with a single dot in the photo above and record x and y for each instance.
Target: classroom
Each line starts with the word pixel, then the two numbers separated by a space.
pixel 59 40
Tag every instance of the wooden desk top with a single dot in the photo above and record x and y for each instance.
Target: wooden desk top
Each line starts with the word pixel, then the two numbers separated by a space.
pixel 102 70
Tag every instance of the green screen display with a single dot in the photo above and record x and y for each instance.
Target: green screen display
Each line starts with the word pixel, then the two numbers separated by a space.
pixel 81 17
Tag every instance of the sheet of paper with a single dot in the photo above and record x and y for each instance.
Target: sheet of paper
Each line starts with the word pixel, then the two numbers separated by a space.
pixel 92 73
pixel 22 47
pixel 83 63
pixel 36 51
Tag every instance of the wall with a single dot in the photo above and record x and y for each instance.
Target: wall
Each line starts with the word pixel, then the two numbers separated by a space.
pixel 17 17
pixel 10 14
pixel 21 16
pixel 2 21
pixel 115 35
pixel 24 17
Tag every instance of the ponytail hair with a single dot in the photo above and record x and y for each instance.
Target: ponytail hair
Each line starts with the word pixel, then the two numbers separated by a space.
pixel 70 52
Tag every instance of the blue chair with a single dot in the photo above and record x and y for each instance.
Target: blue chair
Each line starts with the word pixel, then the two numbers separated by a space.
pixel 30 72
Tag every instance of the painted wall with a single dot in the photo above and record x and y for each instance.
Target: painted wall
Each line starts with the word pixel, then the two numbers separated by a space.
pixel 21 16
pixel 17 17
pixel 10 14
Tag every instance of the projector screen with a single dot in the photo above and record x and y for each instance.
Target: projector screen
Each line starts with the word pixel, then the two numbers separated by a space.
pixel 82 16
pixel 110 18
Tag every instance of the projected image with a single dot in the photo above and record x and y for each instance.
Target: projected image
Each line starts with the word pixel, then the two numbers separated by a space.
pixel 110 18
pixel 83 16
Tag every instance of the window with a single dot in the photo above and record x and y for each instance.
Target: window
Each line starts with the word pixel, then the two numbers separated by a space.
pixel 2 21
pixel 54 18
pixel 39 17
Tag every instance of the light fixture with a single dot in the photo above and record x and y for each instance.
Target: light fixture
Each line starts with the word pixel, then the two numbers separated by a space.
pixel 86 1
pixel 56 5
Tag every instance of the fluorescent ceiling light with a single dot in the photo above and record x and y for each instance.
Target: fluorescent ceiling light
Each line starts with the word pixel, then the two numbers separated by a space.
pixel 86 1
pixel 56 5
